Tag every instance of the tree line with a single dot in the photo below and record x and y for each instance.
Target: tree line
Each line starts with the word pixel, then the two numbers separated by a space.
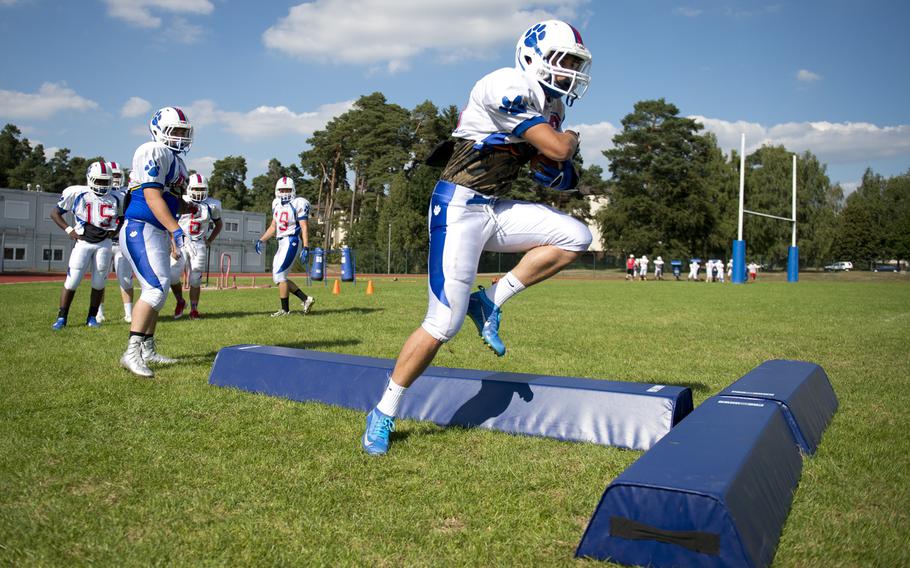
pixel 672 189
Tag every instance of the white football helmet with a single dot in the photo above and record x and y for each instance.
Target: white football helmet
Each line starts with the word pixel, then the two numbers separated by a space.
pixel 285 189
pixel 98 177
pixel 198 188
pixel 116 175
pixel 171 127
pixel 552 53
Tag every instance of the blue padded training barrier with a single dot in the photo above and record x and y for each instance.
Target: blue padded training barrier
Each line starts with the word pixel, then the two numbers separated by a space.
pixel 628 415
pixel 715 491
pixel 803 391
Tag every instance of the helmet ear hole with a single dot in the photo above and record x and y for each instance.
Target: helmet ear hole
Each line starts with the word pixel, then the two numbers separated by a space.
pixel 528 59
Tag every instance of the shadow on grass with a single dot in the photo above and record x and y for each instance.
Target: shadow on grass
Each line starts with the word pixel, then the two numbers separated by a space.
pixel 305 344
pixel 356 310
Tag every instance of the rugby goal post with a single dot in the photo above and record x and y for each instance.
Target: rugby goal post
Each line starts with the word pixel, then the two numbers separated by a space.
pixel 739 245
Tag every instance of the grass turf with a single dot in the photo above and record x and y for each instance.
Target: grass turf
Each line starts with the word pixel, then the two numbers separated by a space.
pixel 100 467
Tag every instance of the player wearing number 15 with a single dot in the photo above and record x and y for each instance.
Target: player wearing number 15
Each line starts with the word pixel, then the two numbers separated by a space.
pixel 290 215
pixel 201 228
pixel 95 209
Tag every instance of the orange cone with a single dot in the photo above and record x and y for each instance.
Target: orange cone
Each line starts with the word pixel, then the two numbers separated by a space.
pixel 369 287
pixel 336 289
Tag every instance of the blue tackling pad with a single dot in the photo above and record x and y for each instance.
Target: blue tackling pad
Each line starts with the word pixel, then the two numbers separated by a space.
pixel 715 491
pixel 626 415
pixel 803 391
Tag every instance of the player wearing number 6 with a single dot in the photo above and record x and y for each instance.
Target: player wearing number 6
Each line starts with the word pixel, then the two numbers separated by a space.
pixel 95 209
pixel 290 215
pixel 196 226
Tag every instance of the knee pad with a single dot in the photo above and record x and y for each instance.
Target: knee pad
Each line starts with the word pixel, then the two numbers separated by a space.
pixel 196 278
pixel 279 277
pixel 73 277
pixel 126 280
pixel 155 297
pixel 578 237
pixel 99 279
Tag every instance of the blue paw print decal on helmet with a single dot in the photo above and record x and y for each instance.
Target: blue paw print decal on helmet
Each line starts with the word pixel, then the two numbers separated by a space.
pixel 534 35
pixel 515 106
pixel 152 168
pixel 156 118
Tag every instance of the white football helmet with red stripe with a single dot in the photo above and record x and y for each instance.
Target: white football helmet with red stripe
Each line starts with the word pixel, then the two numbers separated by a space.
pixel 198 188
pixel 553 53
pixel 116 175
pixel 171 127
pixel 98 178
pixel 285 189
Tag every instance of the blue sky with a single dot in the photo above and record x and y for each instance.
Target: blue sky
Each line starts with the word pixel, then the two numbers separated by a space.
pixel 257 78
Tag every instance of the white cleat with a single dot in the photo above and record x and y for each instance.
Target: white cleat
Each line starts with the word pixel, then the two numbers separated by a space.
pixel 280 314
pixel 132 359
pixel 100 317
pixel 307 304
pixel 128 318
pixel 150 353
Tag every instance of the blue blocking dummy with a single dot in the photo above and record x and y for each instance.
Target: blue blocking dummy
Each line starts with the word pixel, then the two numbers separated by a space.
pixel 803 391
pixel 627 415
pixel 715 491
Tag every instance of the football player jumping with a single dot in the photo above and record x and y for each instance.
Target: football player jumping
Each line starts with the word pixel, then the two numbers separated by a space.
pixel 150 232
pixel 512 115
pixel 196 227
pixel 95 210
pixel 290 215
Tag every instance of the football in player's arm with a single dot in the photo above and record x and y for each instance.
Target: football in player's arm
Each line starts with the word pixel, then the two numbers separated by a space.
pixel 513 116
pixel 201 226
pixel 290 215
pixel 95 210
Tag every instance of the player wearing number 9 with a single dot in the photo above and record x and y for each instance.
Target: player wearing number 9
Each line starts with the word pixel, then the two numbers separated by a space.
pixel 290 214
pixel 95 209
pixel 201 226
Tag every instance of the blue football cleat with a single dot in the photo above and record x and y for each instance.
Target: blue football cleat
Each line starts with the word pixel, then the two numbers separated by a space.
pixel 59 324
pixel 92 322
pixel 486 317
pixel 375 439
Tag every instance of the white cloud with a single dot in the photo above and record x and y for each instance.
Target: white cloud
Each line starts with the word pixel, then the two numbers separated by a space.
pixel 139 12
pixel 593 140
pixel 831 142
pixel 202 164
pixel 806 76
pixel 842 144
pixel 687 11
pixel 389 34
pixel 50 99
pixel 264 121
pixel 135 106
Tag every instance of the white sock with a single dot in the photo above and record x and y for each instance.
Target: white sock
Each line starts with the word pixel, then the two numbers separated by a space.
pixel 391 399
pixel 507 287
pixel 101 310
pixel 128 309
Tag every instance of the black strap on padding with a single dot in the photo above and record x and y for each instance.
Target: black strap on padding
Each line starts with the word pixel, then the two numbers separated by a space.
pixel 697 541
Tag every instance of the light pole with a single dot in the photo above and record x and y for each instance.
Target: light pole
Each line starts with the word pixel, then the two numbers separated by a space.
pixel 388 269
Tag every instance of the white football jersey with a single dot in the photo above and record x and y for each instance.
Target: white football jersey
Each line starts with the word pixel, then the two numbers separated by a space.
pixel 503 105
pixel 490 150
pixel 155 165
pixel 94 215
pixel 287 217
pixel 197 225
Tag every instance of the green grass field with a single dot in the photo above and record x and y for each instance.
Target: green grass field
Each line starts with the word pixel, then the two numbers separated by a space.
pixel 100 467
